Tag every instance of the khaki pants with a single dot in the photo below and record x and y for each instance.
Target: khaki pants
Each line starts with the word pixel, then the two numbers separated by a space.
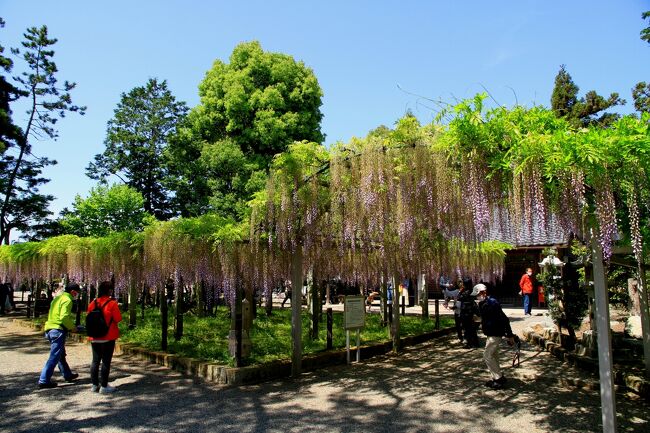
pixel 491 356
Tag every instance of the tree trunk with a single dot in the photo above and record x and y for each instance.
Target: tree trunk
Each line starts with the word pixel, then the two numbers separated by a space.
pixel 316 309
pixel 424 295
pixel 607 394
pixel 178 285
pixel 268 300
pixel 133 303
pixel 395 324
pixel 200 298
pixel 164 318
pixel 296 308
pixel 645 318
pixel 384 301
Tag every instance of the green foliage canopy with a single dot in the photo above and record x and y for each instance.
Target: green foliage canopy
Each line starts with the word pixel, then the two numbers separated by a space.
pixel 251 109
pixel 107 209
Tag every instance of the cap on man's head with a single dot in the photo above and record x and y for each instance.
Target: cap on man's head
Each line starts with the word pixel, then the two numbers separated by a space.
pixel 478 289
pixel 72 286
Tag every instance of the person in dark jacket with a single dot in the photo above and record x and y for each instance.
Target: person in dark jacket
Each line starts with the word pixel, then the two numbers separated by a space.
pixel 4 293
pixel 468 310
pixel 495 325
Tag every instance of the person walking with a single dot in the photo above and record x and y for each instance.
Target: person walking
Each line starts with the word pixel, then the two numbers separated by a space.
pixel 287 292
pixel 451 302
pixel 495 325
pixel 4 296
pixel 60 321
pixel 103 347
pixel 526 286
pixel 468 310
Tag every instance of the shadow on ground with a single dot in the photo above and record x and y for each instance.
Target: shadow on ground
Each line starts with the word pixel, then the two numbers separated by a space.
pixel 434 387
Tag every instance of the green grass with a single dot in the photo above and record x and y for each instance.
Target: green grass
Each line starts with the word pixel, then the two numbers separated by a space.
pixel 207 338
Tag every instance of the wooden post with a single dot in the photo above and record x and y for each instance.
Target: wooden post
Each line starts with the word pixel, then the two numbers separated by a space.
pixel 35 297
pixel 424 296
pixel 645 319
pixel 268 301
pixel 164 318
pixel 384 302
pixel 437 312
pixel 250 297
pixel 78 303
pixel 133 303
pixel 200 298
pixel 237 312
pixel 330 324
pixel 328 299
pixel 395 325
pixel 296 308
pixel 178 285
pixel 607 395
pixel 144 298
pixel 315 308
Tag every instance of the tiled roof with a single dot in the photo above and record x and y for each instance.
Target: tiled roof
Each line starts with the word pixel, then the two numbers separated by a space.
pixel 538 234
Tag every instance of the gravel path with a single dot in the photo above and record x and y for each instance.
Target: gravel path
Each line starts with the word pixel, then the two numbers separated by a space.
pixel 434 387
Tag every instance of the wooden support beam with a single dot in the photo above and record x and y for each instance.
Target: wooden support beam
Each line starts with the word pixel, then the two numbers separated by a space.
pixel 296 308
pixel 607 394
pixel 645 318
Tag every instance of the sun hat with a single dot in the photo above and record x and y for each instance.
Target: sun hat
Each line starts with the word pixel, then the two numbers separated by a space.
pixel 478 289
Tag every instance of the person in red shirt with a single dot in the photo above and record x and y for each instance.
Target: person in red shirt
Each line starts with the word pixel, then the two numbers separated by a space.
pixel 526 285
pixel 103 347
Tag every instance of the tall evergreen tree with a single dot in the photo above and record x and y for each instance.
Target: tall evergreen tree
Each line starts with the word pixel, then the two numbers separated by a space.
pixel 583 111
pixel 9 132
pixel 136 138
pixel 22 206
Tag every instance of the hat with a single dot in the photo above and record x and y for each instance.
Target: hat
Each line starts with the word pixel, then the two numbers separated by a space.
pixel 478 289
pixel 72 286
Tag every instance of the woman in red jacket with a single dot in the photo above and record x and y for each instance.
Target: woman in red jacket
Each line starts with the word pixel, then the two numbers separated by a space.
pixel 526 285
pixel 103 347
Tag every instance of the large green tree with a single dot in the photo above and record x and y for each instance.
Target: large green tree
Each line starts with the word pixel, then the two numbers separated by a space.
pixel 106 209
pixel 136 138
pixel 23 207
pixel 251 109
pixel 584 111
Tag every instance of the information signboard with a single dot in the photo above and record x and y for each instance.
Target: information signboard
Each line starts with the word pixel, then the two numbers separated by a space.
pixel 355 312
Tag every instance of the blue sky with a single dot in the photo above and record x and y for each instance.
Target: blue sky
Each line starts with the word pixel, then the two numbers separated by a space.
pixel 362 53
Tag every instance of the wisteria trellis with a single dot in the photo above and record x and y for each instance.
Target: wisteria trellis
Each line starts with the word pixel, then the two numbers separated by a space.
pixel 382 206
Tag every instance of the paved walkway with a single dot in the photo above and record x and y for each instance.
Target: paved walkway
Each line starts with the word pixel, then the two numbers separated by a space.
pixel 434 387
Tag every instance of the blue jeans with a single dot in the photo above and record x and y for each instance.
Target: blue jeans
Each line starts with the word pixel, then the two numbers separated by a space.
pixel 527 305
pixel 56 337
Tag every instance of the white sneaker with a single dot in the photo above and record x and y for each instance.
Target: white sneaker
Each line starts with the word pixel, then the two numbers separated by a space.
pixel 107 389
pixel 94 388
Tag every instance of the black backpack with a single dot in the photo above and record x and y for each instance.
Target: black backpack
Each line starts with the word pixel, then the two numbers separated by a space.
pixel 96 325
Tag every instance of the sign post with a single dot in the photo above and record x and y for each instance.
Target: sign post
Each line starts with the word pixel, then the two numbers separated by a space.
pixel 355 319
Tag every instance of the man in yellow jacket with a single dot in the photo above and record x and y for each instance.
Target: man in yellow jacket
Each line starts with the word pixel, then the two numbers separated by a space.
pixel 60 321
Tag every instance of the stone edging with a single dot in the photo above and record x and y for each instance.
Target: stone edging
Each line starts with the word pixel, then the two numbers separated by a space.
pixel 631 382
pixel 223 374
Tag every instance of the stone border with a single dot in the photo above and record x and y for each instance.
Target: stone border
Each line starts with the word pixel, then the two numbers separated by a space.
pixel 233 376
pixel 628 381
